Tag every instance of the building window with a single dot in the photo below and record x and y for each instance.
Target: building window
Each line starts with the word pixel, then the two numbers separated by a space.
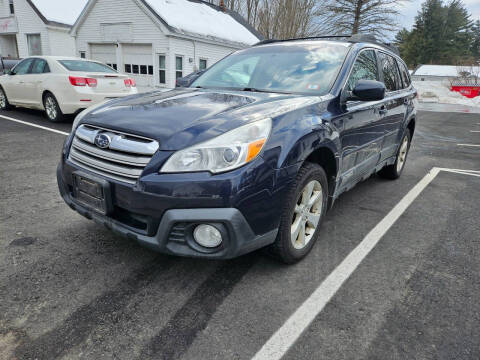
pixel 162 69
pixel 83 54
pixel 150 69
pixel 12 8
pixel 34 44
pixel 128 68
pixel 178 67
pixel 135 69
pixel 202 64
pixel 143 69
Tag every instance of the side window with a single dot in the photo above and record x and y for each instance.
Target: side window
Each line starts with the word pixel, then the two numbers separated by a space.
pixel 391 76
pixel 22 67
pixel 39 67
pixel 365 68
pixel 405 74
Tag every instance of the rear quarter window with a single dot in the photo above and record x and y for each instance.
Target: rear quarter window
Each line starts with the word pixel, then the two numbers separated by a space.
pixel 85 66
pixel 405 74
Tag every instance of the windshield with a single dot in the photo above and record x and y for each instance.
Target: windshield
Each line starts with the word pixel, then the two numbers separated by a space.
pixel 82 65
pixel 292 68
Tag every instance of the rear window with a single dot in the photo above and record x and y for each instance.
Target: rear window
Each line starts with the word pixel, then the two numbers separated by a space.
pixel 85 66
pixel 391 76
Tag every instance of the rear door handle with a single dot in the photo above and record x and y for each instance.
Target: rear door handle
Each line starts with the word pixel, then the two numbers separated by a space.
pixel 405 101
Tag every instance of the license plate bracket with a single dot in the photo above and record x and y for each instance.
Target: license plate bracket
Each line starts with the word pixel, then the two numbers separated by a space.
pixel 92 192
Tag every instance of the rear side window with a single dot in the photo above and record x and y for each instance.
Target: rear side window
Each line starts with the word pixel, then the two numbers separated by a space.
pixel 404 73
pixel 40 66
pixel 391 76
pixel 85 66
pixel 365 68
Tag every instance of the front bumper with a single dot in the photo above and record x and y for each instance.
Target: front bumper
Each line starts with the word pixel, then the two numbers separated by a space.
pixel 172 231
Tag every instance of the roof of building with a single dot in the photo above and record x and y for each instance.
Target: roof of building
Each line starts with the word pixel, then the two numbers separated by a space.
pixel 62 13
pixel 443 70
pixel 199 18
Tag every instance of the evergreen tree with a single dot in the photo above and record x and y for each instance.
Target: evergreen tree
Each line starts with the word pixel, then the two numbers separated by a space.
pixel 442 34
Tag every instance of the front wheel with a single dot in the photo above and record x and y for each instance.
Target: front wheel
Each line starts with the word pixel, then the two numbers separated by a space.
pixel 395 170
pixel 4 104
pixel 52 109
pixel 302 215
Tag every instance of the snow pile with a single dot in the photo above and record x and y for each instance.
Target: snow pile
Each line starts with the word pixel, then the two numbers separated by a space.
pixel 439 92
pixel 193 17
pixel 62 11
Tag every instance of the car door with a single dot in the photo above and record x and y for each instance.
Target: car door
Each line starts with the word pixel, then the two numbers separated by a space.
pixel 394 103
pixel 34 82
pixel 361 132
pixel 16 87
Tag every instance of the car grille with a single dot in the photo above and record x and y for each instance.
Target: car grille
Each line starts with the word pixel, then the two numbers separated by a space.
pixel 123 159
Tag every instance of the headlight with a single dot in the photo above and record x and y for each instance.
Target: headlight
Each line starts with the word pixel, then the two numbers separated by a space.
pixel 225 152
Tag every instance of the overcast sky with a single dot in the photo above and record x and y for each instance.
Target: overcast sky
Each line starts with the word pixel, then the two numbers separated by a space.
pixel 409 11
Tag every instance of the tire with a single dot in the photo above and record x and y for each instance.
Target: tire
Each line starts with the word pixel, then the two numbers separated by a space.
pixel 52 110
pixel 394 171
pixel 4 104
pixel 295 212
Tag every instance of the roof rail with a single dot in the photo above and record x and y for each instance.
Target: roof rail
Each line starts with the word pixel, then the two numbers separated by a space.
pixel 356 38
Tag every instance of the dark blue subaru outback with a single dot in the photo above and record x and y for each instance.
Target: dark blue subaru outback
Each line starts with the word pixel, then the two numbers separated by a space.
pixel 251 155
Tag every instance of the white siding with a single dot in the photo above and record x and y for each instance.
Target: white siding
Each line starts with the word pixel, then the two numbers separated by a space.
pixel 29 23
pixel 55 41
pixel 61 42
pixel 125 22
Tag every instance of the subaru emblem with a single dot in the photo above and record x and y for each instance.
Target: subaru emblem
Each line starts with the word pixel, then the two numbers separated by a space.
pixel 102 141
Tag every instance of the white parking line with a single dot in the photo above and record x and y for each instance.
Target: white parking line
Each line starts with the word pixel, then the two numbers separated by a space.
pixel 474 130
pixel 472 145
pixel 290 331
pixel 34 125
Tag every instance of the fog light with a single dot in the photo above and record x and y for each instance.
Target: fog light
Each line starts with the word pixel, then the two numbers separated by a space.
pixel 207 236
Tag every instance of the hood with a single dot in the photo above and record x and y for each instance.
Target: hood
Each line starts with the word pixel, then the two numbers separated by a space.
pixel 180 118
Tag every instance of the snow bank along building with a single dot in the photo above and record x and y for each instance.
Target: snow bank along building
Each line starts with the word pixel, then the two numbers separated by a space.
pixel 157 41
pixel 38 27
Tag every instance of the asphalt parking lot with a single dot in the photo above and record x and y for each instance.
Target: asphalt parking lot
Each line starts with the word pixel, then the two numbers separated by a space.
pixel 70 289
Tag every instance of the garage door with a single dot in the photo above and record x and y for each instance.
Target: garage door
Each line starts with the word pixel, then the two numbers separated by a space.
pixel 105 53
pixel 138 62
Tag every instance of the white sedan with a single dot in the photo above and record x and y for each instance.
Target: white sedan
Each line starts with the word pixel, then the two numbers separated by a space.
pixel 61 85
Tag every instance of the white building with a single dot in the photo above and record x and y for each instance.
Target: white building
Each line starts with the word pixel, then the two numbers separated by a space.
pixel 444 72
pixel 159 40
pixel 38 27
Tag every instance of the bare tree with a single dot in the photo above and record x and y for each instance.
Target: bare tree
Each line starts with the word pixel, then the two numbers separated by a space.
pixel 282 19
pixel 376 17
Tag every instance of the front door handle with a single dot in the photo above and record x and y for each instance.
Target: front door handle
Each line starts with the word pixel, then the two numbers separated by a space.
pixel 405 101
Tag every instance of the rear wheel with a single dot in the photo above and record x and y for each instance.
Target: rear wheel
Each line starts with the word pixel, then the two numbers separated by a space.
pixel 4 104
pixel 54 114
pixel 395 170
pixel 302 215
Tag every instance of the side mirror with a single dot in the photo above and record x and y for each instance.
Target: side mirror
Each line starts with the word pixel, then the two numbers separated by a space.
pixel 368 90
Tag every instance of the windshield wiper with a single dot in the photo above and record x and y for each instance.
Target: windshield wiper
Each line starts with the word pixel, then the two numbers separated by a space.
pixel 265 90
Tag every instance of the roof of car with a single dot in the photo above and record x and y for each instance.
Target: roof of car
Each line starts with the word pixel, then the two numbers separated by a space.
pixel 343 39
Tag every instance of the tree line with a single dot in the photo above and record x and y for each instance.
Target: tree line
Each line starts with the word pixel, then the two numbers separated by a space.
pixel 443 32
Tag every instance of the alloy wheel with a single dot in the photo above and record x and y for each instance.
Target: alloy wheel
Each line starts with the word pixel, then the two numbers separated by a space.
pixel 50 107
pixel 3 99
pixel 402 154
pixel 306 215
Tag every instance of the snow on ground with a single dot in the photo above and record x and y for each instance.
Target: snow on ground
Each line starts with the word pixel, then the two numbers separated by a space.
pixel 63 11
pixel 439 92
pixel 198 18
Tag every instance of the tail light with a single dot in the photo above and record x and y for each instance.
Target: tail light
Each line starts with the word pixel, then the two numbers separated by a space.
pixel 130 83
pixel 81 81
